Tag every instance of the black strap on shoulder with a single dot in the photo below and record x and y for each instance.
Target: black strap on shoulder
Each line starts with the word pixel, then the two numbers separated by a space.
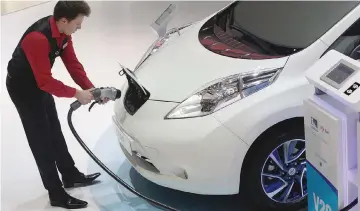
pixel 65 40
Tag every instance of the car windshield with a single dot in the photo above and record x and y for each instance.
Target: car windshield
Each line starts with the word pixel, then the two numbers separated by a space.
pixel 290 24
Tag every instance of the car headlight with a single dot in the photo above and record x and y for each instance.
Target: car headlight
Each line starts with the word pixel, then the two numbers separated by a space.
pixel 160 42
pixel 223 92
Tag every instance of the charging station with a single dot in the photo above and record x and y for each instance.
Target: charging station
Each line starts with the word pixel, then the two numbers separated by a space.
pixel 331 132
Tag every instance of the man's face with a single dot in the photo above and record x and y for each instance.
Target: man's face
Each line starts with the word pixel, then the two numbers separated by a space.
pixel 70 27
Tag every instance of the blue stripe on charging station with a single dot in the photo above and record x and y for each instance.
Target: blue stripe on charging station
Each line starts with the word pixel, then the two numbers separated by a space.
pixel 322 194
pixel 323 177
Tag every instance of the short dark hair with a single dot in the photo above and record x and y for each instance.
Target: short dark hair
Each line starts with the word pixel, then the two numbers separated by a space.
pixel 71 9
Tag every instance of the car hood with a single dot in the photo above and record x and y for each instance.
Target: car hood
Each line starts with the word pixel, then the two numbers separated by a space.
pixel 182 65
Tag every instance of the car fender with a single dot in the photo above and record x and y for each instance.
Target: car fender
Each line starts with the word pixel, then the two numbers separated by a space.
pixel 251 116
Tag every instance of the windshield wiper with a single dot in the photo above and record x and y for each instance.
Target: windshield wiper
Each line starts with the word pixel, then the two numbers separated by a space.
pixel 255 39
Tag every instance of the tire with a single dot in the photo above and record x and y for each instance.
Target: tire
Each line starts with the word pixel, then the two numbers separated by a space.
pixel 259 162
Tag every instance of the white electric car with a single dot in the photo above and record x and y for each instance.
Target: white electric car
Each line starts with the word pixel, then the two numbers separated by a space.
pixel 215 107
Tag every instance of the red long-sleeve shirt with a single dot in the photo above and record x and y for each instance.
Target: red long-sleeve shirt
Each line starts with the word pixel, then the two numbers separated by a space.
pixel 37 48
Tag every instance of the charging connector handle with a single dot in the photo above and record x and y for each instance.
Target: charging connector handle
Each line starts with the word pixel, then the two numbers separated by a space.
pixel 100 94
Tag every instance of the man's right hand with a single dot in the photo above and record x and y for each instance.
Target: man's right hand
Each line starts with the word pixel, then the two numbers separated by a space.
pixel 84 96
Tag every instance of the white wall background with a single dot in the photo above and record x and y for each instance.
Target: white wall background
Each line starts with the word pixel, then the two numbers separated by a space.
pixel 13 6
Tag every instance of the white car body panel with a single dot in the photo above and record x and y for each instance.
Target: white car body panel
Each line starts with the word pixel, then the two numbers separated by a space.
pixel 257 113
pixel 166 144
pixel 211 149
pixel 276 103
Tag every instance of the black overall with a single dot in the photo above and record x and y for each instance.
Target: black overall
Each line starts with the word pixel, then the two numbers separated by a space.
pixel 38 113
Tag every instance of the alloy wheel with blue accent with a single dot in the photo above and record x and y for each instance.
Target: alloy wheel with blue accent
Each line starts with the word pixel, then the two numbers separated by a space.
pixel 283 175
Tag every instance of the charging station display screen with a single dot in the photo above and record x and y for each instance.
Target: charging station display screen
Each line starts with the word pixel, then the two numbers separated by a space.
pixel 340 73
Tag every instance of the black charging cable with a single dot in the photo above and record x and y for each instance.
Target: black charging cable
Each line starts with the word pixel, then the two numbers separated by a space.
pixel 350 206
pixel 74 106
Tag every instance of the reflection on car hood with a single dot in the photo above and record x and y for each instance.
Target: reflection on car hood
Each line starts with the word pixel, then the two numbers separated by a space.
pixel 183 65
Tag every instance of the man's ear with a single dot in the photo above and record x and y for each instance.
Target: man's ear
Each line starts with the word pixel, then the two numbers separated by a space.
pixel 63 20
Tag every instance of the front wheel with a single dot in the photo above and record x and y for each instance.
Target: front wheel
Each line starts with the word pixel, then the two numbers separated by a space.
pixel 274 175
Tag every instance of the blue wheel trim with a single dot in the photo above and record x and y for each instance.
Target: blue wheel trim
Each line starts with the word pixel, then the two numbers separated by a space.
pixel 283 175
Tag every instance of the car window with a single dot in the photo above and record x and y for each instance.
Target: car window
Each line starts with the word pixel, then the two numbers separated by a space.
pixel 353 30
pixel 348 41
pixel 292 24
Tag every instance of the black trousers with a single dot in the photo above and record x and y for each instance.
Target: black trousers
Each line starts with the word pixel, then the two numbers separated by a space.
pixel 40 121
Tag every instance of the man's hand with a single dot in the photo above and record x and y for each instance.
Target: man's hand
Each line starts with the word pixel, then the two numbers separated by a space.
pixel 84 96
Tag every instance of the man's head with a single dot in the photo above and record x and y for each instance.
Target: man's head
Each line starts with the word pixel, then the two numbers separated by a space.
pixel 69 15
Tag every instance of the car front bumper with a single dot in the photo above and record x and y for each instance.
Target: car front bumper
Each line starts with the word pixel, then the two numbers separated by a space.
pixel 197 155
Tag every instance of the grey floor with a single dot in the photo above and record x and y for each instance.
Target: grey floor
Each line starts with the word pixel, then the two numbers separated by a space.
pixel 115 32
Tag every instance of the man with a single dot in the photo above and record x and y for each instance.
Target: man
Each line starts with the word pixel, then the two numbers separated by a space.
pixel 30 85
